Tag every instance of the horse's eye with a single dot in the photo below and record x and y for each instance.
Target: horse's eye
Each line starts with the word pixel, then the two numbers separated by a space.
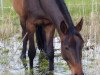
pixel 66 48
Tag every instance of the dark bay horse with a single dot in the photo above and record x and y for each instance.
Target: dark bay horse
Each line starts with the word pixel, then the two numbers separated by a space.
pixel 43 17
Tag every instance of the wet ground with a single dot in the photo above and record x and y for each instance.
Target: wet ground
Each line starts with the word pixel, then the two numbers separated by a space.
pixel 10 63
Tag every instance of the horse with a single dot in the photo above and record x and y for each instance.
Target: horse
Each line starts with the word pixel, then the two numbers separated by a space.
pixel 43 17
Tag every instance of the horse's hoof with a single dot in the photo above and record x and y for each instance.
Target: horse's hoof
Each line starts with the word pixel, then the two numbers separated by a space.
pixel 49 73
pixel 31 72
pixel 23 57
pixel 26 68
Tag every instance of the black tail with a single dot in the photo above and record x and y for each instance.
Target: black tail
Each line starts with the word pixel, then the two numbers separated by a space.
pixel 40 37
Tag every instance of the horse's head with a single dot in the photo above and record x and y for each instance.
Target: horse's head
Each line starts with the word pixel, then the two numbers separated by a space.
pixel 71 48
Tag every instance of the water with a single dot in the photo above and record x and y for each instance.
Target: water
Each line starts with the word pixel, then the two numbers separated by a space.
pixel 10 63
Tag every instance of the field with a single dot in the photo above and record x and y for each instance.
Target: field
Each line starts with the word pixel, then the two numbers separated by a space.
pixel 10 29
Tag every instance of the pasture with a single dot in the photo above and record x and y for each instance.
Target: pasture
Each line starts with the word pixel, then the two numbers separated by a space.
pixel 10 63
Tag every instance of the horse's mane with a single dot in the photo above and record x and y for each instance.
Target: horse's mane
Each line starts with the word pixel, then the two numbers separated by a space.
pixel 64 10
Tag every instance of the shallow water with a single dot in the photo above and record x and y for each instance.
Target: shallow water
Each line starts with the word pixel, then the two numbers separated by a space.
pixel 10 63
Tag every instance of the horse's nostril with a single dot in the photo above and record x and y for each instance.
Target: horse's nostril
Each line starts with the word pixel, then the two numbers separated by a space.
pixel 79 74
pixel 66 48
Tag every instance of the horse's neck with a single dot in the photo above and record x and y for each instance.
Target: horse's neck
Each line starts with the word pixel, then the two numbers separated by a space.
pixel 64 10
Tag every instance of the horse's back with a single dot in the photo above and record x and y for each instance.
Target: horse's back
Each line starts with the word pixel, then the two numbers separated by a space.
pixel 28 7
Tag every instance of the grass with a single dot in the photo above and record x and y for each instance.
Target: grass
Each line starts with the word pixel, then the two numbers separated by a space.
pixel 79 9
pixel 9 23
pixel 77 6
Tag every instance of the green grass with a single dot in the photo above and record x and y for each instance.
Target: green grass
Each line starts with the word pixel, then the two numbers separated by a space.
pixel 79 7
pixel 9 23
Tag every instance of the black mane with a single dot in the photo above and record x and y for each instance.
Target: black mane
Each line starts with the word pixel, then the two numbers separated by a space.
pixel 64 10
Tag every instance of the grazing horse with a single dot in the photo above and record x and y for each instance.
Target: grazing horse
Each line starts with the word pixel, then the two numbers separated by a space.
pixel 43 17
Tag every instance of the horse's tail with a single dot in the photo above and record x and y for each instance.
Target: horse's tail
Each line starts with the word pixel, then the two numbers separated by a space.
pixel 40 37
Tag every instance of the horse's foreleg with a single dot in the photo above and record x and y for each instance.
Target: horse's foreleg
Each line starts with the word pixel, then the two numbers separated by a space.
pixel 49 30
pixel 32 51
pixel 25 39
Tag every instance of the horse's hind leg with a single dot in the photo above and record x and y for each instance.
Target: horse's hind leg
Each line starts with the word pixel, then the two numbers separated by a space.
pixel 49 30
pixel 32 51
pixel 25 39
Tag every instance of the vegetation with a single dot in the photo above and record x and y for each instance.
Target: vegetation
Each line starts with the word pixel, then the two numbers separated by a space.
pixel 9 24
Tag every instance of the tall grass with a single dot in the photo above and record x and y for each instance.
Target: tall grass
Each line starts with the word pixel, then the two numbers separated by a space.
pixel 9 23
pixel 84 8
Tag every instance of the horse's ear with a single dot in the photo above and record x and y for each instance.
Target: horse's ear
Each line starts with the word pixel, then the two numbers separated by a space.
pixel 79 25
pixel 63 27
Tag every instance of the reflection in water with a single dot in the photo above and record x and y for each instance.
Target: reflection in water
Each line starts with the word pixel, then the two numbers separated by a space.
pixel 10 63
